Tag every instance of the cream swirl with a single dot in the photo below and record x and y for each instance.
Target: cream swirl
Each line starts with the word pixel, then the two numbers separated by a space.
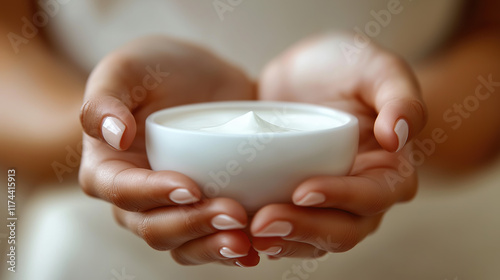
pixel 249 123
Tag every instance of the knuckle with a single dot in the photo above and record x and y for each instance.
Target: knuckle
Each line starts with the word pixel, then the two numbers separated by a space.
pixel 86 182
pixel 420 110
pixel 116 198
pixel 180 258
pixel 290 251
pixel 377 197
pixel 378 203
pixel 193 225
pixel 116 194
pixel 319 253
pixel 88 190
pixel 411 190
pixel 376 223
pixel 351 237
pixel 118 217
pixel 147 232
pixel 305 236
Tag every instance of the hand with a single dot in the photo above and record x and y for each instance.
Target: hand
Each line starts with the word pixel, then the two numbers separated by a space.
pixel 164 208
pixel 333 214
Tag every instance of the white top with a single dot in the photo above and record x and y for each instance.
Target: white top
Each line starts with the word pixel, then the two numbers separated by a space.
pixel 249 32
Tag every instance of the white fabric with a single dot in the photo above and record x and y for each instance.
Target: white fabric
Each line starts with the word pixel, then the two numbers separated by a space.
pixel 251 32
pixel 450 231
pixel 443 234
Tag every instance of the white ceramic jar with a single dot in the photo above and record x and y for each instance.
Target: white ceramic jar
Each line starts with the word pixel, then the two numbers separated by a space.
pixel 256 152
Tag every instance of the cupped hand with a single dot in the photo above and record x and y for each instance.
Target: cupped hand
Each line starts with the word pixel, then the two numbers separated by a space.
pixel 164 208
pixel 334 213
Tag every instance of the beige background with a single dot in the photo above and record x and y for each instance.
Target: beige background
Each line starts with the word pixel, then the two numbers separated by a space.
pixel 450 231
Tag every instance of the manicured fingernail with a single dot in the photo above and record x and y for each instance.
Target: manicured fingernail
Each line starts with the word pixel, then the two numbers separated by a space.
pixel 239 264
pixel 272 251
pixel 401 129
pixel 228 253
pixel 182 196
pixel 279 228
pixel 225 222
pixel 112 131
pixel 312 198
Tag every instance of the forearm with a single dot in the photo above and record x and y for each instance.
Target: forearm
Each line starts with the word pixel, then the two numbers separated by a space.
pixel 461 102
pixel 41 96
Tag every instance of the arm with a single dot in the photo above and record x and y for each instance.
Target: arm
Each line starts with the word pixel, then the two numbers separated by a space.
pixel 452 77
pixel 41 96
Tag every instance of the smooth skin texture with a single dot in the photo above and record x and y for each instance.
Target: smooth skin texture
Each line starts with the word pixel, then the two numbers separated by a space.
pixel 120 174
pixel 54 95
pixel 378 88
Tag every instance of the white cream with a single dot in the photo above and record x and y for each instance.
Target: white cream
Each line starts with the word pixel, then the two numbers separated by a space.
pixel 255 152
pixel 251 120
pixel 249 123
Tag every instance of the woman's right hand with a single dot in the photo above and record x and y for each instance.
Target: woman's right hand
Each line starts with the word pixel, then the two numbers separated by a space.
pixel 165 208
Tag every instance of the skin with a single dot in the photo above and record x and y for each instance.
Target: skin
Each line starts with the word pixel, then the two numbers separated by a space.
pixel 380 89
pixel 52 96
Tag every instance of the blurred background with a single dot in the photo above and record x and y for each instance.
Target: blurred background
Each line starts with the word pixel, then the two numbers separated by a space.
pixel 449 231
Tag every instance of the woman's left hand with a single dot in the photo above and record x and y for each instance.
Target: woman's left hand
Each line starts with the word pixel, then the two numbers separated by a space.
pixel 334 213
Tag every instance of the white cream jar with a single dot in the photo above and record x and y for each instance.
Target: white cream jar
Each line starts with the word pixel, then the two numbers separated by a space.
pixel 256 152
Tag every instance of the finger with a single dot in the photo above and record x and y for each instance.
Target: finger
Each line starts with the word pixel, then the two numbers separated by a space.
pixel 169 227
pixel 378 78
pixel 136 189
pixel 367 192
pixel 229 247
pixel 390 86
pixel 330 230
pixel 279 248
pixel 105 114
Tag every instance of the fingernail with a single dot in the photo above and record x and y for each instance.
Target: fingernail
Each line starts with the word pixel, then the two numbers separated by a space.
pixel 272 251
pixel 182 196
pixel 239 264
pixel 312 198
pixel 225 222
pixel 401 129
pixel 279 228
pixel 228 253
pixel 112 131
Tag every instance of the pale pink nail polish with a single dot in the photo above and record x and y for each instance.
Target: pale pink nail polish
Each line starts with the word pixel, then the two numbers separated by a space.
pixel 272 251
pixel 278 228
pixel 230 254
pixel 225 222
pixel 401 129
pixel 182 196
pixel 112 131
pixel 312 198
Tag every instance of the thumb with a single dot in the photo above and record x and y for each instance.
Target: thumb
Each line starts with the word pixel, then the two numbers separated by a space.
pixel 104 114
pixel 394 92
